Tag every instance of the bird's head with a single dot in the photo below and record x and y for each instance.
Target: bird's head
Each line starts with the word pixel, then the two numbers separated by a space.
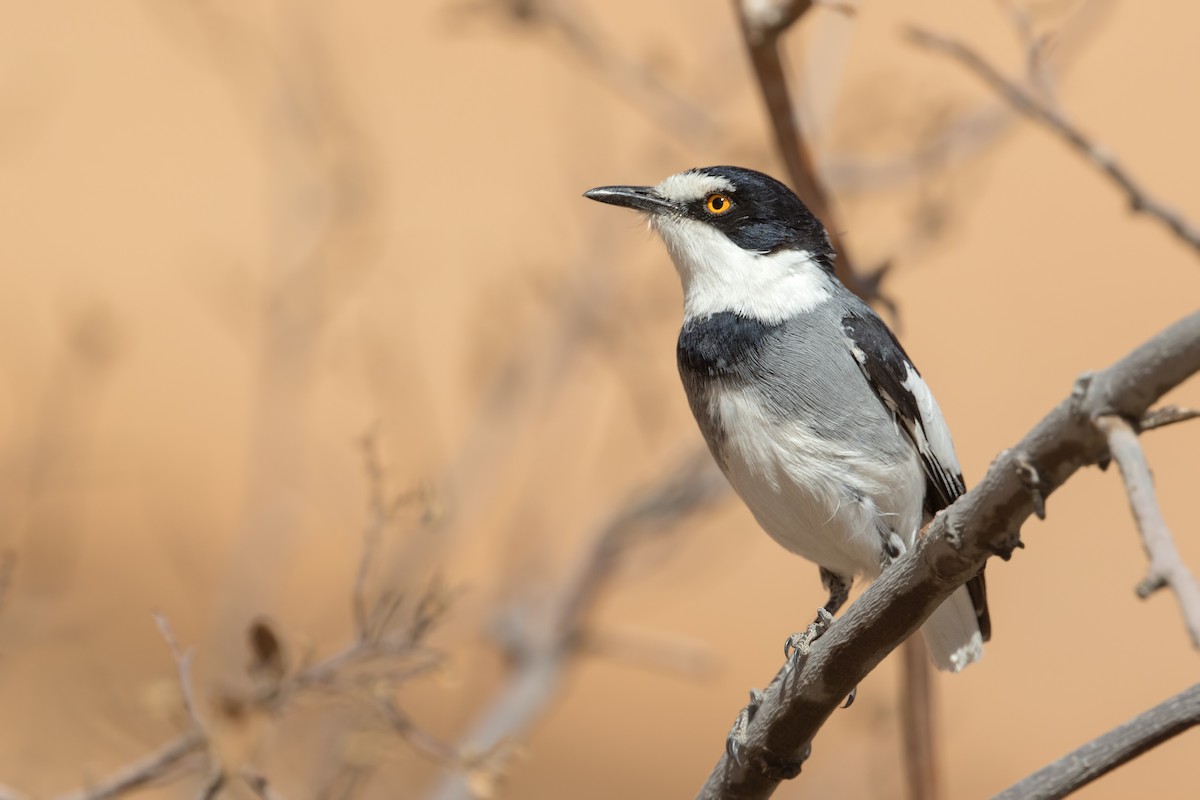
pixel 741 241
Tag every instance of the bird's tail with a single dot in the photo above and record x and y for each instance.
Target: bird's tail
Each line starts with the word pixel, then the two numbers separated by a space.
pixel 952 633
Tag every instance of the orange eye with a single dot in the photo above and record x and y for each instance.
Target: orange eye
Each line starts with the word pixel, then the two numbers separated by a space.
pixel 718 203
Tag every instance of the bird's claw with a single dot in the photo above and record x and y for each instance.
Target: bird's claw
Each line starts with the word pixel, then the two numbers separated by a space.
pixel 798 644
pixel 735 743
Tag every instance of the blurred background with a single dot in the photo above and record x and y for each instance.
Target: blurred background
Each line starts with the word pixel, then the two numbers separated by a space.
pixel 305 326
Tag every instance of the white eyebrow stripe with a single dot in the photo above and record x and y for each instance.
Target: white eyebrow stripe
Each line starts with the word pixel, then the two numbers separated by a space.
pixel 687 186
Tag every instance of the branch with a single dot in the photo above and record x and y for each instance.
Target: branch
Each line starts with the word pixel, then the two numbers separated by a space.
pixel 762 25
pixel 1140 201
pixel 1167 415
pixel 1120 745
pixel 918 722
pixel 543 661
pixel 1166 565
pixel 983 522
pixel 634 81
pixel 144 771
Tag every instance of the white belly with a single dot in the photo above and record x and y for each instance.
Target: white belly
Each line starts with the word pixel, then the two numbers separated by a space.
pixel 825 500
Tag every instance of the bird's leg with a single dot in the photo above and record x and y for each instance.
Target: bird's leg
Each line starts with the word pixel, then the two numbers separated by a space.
pixel 838 588
pixel 893 547
pixel 839 591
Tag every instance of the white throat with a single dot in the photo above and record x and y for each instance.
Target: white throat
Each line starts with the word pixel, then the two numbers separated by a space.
pixel 717 275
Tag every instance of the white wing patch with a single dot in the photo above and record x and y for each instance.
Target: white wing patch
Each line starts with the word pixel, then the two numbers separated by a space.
pixel 914 410
pixel 934 432
pixel 932 438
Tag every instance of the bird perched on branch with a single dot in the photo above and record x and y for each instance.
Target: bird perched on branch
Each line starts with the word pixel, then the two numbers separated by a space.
pixel 808 403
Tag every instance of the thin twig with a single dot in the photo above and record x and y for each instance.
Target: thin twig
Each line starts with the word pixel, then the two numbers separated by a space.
pixel 543 659
pixel 211 787
pixel 762 24
pixel 1104 754
pixel 259 785
pixel 633 81
pixel 983 522
pixel 427 745
pixel 145 770
pixel 1167 415
pixel 155 766
pixel 1024 101
pixel 1166 565
pixel 183 666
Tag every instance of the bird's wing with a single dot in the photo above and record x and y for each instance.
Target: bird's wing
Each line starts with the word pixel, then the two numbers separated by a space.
pixel 903 392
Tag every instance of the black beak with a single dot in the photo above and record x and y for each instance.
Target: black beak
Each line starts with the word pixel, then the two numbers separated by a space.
pixel 642 198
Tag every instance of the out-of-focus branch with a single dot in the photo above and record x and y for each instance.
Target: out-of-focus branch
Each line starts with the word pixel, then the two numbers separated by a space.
pixel 1040 110
pixel 917 721
pixel 158 765
pixel 543 659
pixel 1167 415
pixel 151 769
pixel 388 648
pixel 763 22
pixel 1166 565
pixel 985 521
pixel 633 81
pixel 1104 754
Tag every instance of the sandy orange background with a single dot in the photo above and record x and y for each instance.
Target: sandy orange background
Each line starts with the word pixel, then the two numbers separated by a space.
pixel 236 236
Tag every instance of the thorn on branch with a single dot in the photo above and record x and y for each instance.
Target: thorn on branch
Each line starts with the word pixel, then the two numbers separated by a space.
pixel 1079 391
pixel 1150 584
pixel 1033 482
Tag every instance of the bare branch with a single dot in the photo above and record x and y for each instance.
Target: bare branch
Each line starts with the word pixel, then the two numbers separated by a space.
pixel 259 785
pixel 183 665
pixel 985 521
pixel 1024 101
pixel 1119 746
pixel 544 660
pixel 917 721
pixel 432 748
pixel 762 24
pixel 1166 565
pixel 144 771
pixel 633 81
pixel 1167 415
pixel 211 787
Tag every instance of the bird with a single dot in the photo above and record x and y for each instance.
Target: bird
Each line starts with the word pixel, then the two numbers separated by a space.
pixel 807 401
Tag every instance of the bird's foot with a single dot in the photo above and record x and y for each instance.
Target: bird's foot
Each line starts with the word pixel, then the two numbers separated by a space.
pixel 774 767
pixel 796 648
pixel 735 744
pixel 798 645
